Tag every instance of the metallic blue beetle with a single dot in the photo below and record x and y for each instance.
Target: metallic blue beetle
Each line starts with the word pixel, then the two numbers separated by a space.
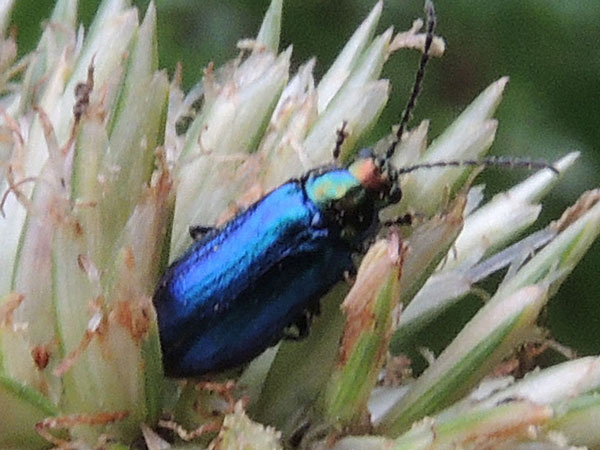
pixel 237 290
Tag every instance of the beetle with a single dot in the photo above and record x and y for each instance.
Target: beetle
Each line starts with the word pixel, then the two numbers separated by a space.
pixel 237 290
pixel 242 288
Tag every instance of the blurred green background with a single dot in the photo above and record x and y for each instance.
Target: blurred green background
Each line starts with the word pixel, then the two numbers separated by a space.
pixel 549 48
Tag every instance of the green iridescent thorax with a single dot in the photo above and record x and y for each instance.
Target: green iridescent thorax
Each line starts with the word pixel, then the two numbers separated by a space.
pixel 330 187
pixel 345 198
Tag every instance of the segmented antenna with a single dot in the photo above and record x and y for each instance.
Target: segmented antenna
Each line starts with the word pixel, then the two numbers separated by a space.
pixel 412 101
pixel 342 134
pixel 497 161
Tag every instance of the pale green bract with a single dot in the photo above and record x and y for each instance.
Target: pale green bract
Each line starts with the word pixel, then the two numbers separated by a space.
pixel 100 184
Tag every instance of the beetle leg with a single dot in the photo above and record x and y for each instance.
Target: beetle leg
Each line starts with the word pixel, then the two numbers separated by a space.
pixel 406 219
pixel 298 330
pixel 350 276
pixel 198 232
pixel 342 134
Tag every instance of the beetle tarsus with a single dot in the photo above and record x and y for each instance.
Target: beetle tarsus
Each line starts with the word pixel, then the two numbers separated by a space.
pixel 406 219
pixel 199 232
pixel 342 134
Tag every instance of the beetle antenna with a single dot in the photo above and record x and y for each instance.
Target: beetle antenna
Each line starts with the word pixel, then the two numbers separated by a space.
pixel 496 161
pixel 342 134
pixel 416 90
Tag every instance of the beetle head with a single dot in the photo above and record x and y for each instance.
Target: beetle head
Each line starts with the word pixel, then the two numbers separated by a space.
pixel 378 177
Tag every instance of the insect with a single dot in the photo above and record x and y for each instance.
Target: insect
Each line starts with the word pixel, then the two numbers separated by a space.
pixel 242 288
